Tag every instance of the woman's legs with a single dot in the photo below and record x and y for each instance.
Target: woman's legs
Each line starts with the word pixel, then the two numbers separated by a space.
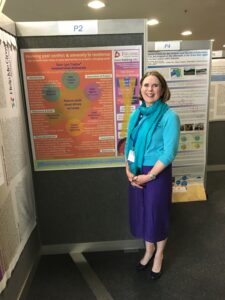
pixel 157 264
pixel 149 250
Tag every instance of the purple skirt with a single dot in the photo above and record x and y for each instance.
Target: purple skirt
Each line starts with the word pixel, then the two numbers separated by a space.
pixel 150 207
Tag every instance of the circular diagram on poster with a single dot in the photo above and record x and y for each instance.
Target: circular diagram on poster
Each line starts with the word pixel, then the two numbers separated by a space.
pixel 92 91
pixel 74 127
pixel 71 80
pixel 51 92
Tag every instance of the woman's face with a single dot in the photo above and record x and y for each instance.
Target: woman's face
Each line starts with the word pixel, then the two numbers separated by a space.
pixel 151 90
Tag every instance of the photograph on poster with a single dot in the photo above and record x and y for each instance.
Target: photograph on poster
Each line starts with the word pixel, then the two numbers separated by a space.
pixel 189 71
pixel 193 126
pixel 176 72
pixel 201 71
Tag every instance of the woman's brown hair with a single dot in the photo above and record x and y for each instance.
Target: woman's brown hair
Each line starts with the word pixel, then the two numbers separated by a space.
pixel 166 92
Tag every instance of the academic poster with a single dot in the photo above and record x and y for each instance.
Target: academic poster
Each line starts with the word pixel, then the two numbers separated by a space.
pixel 187 75
pixel 17 210
pixel 79 102
pixel 217 90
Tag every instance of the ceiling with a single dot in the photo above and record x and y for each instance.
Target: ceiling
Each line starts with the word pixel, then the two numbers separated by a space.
pixel 205 18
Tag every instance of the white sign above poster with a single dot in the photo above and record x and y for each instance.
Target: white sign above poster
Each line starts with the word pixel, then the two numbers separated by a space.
pixel 78 27
pixel 168 45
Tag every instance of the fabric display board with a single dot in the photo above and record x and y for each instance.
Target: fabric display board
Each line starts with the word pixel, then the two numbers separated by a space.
pixel 74 100
pixel 187 75
pixel 216 146
pixel 17 211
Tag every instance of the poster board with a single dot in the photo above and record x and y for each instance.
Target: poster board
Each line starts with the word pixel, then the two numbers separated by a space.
pixel 85 190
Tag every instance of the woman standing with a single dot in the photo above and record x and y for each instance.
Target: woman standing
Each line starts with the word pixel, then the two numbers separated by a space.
pixel 151 146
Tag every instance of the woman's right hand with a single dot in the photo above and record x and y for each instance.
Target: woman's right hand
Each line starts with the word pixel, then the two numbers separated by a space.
pixel 131 177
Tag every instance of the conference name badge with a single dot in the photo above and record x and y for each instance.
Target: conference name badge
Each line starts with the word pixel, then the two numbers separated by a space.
pixel 131 156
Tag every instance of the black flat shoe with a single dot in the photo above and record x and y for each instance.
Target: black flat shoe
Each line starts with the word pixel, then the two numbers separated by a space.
pixel 140 267
pixel 155 275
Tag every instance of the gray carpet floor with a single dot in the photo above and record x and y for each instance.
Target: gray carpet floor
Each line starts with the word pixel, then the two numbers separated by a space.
pixel 193 268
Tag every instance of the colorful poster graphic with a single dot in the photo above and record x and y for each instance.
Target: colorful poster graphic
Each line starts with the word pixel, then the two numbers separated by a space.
pixel 127 78
pixel 71 104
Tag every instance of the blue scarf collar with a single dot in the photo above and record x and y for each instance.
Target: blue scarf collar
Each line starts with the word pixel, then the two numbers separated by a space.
pixel 140 131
